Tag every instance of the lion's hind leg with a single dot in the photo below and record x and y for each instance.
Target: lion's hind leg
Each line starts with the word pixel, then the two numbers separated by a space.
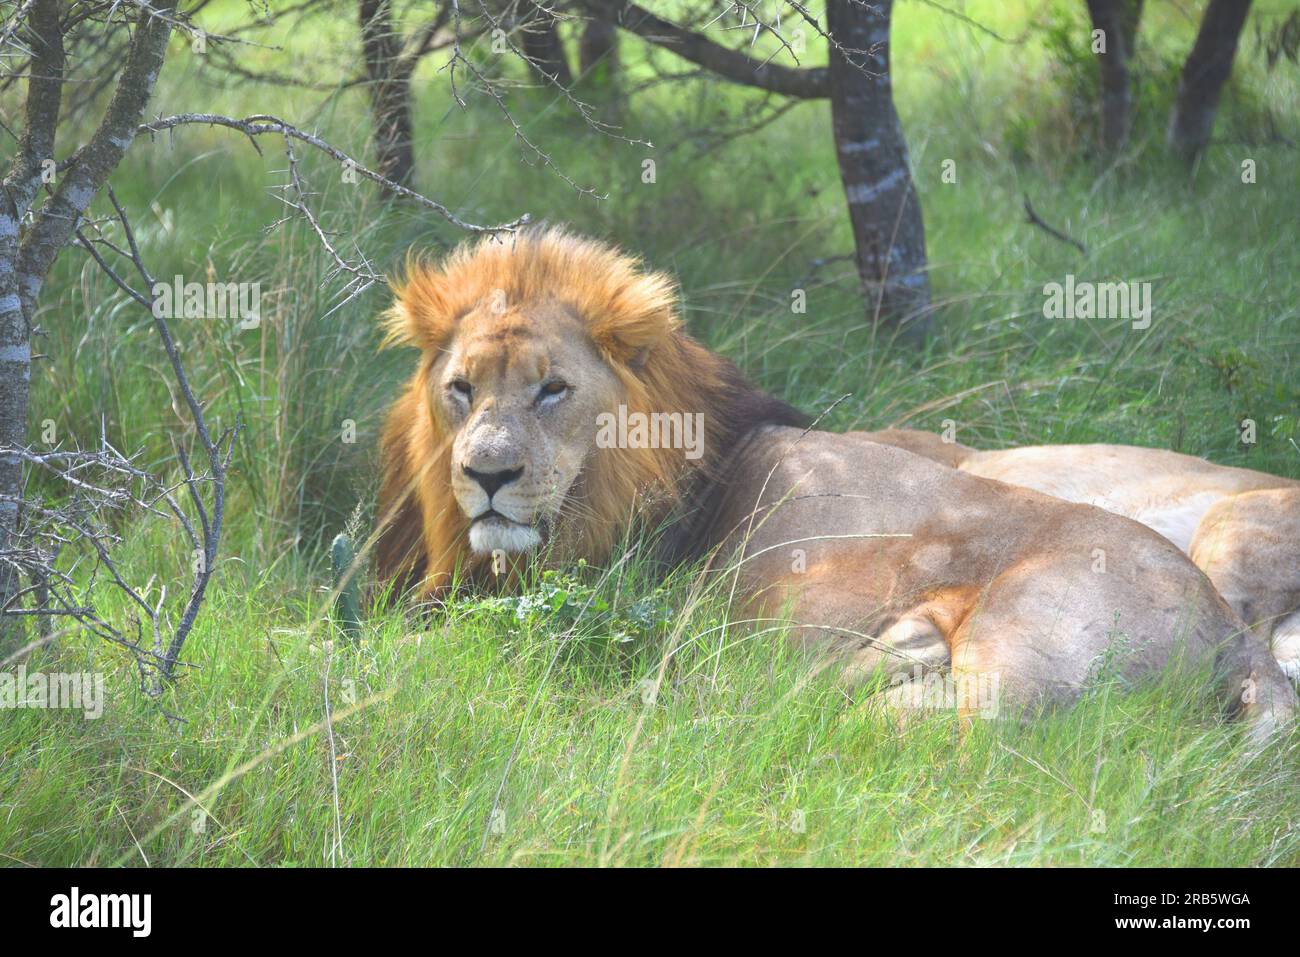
pixel 1040 639
pixel 867 646
pixel 904 670
pixel 910 647
pixel 911 659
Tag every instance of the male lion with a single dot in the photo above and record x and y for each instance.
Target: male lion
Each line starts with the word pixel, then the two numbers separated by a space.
pixel 1241 527
pixel 893 564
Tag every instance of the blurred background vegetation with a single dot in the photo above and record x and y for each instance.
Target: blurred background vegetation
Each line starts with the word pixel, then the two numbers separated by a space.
pixel 742 219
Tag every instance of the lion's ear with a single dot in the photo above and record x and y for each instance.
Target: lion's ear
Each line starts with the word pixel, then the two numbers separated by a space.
pixel 639 316
pixel 422 313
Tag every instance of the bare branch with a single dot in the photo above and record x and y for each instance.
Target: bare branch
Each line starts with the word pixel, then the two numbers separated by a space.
pixel 363 275
pixel 803 83
pixel 262 123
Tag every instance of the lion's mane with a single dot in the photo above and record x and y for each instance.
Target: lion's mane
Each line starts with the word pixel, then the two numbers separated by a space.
pixel 631 316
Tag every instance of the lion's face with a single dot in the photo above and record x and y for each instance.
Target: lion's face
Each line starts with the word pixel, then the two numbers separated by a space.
pixel 520 390
pixel 502 438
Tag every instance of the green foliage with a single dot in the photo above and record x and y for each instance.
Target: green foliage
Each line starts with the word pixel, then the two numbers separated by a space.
pixel 347 606
pixel 563 602
pixel 467 741
pixel 1068 114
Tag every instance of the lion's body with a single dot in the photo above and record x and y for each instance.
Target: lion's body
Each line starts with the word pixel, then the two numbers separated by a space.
pixel 985 580
pixel 1241 527
pixel 883 559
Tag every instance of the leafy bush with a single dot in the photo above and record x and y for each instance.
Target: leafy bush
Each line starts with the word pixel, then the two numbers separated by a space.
pixel 563 603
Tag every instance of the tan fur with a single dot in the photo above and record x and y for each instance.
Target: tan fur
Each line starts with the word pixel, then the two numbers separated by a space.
pixel 1241 527
pixel 606 316
pixel 885 562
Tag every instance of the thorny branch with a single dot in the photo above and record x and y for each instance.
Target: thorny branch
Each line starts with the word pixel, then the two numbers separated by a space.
pixel 259 124
pixel 63 550
pixel 54 558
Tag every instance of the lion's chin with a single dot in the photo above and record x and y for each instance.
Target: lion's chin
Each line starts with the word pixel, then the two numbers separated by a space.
pixel 496 534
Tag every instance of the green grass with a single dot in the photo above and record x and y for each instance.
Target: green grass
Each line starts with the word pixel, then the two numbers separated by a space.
pixel 483 739
pixel 546 721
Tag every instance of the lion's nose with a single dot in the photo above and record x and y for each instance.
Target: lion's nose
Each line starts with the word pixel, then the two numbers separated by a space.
pixel 491 482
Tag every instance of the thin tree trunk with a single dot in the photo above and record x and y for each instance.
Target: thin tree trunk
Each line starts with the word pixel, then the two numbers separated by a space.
pixel 1206 70
pixel 21 184
pixel 1118 21
pixel 26 258
pixel 888 231
pixel 598 52
pixel 390 91
pixel 542 46
pixel 1131 20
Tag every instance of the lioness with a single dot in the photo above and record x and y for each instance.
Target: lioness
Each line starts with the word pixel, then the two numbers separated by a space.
pixel 891 563
pixel 1241 527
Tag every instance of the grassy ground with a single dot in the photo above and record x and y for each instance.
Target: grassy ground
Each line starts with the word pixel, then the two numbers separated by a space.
pixel 499 735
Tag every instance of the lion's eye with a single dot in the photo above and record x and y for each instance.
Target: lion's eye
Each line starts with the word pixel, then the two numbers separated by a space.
pixel 552 390
pixel 462 387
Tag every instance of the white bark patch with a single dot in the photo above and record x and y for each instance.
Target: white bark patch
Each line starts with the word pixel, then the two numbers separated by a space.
pixel 860 193
pixel 80 196
pixel 862 146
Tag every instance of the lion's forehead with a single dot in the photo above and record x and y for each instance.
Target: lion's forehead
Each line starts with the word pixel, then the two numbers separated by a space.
pixel 492 364
pixel 502 320
pixel 515 350
pixel 519 343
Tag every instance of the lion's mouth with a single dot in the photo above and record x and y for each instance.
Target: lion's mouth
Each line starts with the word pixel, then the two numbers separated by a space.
pixel 491 531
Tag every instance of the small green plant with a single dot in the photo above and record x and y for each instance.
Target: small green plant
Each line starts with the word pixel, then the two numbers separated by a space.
pixel 561 601
pixel 347 604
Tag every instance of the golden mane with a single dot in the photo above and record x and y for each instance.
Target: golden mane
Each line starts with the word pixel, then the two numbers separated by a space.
pixel 631 317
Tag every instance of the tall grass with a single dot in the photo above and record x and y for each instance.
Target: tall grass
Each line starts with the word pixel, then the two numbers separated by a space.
pixel 489 738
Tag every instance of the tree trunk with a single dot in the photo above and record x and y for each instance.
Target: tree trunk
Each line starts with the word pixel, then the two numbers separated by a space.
pixel 888 231
pixel 598 53
pixel 1130 21
pixel 390 91
pixel 1204 73
pixel 21 185
pixel 542 46
pixel 26 258
pixel 1118 21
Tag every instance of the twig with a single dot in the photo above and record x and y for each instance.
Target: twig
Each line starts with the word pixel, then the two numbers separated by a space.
pixel 260 124
pixel 1034 219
